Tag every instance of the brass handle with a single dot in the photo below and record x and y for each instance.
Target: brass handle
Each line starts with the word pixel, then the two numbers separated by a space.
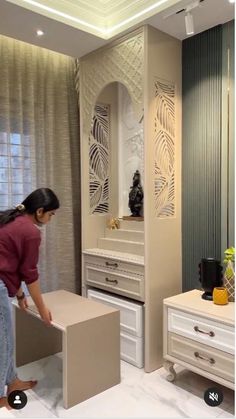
pixel 211 360
pixel 196 328
pixel 114 264
pixel 113 281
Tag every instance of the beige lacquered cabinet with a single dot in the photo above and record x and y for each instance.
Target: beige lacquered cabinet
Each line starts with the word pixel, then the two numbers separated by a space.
pixel 199 335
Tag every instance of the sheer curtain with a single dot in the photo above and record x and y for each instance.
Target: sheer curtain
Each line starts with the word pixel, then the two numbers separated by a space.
pixel 39 147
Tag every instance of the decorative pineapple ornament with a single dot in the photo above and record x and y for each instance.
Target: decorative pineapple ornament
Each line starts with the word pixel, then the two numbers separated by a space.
pixel 229 274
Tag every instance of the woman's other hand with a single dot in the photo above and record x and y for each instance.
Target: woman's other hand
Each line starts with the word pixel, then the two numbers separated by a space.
pixel 23 304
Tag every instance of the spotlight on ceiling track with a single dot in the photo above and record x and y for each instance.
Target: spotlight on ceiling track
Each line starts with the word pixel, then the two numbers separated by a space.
pixel 189 26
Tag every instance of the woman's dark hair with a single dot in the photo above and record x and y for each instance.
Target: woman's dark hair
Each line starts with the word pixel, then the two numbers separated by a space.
pixel 40 198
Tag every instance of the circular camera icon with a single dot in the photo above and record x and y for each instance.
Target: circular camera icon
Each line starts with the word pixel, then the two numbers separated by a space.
pixel 213 396
pixel 17 399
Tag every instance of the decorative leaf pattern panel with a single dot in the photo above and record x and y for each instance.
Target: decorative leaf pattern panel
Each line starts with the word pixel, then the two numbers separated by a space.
pixel 164 149
pixel 99 160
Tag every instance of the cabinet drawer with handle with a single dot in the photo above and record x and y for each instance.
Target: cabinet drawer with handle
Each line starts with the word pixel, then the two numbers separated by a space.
pixel 114 264
pixel 119 283
pixel 203 330
pixel 202 356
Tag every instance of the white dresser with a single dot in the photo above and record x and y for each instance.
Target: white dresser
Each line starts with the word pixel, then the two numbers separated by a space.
pixel 199 335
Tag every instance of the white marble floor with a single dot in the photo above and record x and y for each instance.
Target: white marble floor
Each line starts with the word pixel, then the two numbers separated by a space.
pixel 139 395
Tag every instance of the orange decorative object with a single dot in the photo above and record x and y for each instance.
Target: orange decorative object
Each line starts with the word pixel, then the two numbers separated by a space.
pixel 220 295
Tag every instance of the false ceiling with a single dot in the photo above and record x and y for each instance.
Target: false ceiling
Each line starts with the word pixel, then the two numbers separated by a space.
pixel 103 18
pixel 63 31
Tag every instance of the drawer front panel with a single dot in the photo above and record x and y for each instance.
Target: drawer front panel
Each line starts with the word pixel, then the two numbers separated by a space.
pixel 198 328
pixel 131 314
pixel 114 265
pixel 132 349
pixel 119 283
pixel 204 357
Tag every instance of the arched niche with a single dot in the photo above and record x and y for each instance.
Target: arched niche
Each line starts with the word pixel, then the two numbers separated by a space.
pixel 115 150
pixel 121 61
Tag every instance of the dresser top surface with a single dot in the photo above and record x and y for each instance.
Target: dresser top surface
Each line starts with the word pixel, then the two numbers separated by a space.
pixel 192 301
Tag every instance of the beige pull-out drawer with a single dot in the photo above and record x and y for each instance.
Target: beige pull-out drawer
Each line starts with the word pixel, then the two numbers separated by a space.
pixel 114 264
pixel 206 358
pixel 120 283
pixel 215 334
pixel 131 314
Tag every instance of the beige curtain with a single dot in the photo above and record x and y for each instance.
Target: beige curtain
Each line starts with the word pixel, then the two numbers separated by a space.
pixel 39 147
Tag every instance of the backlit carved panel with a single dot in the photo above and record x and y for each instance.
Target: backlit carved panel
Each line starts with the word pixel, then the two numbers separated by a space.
pixel 164 149
pixel 99 160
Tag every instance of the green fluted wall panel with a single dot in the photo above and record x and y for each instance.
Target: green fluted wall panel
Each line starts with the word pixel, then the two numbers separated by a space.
pixel 228 139
pixel 201 158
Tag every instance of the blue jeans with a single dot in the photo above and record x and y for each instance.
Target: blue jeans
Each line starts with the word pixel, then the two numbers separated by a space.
pixel 7 367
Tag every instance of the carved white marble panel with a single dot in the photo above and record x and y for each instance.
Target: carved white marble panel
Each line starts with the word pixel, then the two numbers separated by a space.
pixel 164 149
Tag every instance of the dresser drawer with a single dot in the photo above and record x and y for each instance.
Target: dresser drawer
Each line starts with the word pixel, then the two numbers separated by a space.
pixel 132 349
pixel 200 329
pixel 204 357
pixel 131 314
pixel 114 265
pixel 119 283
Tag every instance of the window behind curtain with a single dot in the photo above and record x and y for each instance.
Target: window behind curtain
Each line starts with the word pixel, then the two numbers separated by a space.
pixel 15 168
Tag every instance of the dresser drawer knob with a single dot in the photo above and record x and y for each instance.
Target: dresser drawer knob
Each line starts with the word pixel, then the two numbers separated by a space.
pixel 112 281
pixel 113 264
pixel 196 328
pixel 210 360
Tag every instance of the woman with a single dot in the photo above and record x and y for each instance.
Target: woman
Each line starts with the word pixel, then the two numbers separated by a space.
pixel 19 251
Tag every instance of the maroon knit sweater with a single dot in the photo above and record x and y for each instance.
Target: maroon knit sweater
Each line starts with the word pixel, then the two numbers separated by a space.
pixel 19 252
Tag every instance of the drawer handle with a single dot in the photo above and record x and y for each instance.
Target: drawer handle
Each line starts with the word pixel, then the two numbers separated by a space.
pixel 112 281
pixel 211 360
pixel 196 328
pixel 113 264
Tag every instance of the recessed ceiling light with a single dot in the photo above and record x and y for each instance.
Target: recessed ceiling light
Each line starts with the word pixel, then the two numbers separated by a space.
pixel 232 1
pixel 39 32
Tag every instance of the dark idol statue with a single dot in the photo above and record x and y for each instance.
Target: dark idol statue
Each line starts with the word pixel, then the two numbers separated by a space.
pixel 136 196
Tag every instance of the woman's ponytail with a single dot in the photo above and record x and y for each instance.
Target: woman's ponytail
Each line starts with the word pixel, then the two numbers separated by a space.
pixel 43 198
pixel 10 214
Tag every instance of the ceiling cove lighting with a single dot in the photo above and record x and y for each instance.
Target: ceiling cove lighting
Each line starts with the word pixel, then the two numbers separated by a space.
pixel 189 26
pixel 101 30
pixel 56 12
pixel 143 12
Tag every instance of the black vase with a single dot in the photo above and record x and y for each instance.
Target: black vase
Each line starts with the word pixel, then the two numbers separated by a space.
pixel 210 276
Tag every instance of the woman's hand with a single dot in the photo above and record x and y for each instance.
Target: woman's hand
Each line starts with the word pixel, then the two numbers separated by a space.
pixel 23 304
pixel 35 293
pixel 45 315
